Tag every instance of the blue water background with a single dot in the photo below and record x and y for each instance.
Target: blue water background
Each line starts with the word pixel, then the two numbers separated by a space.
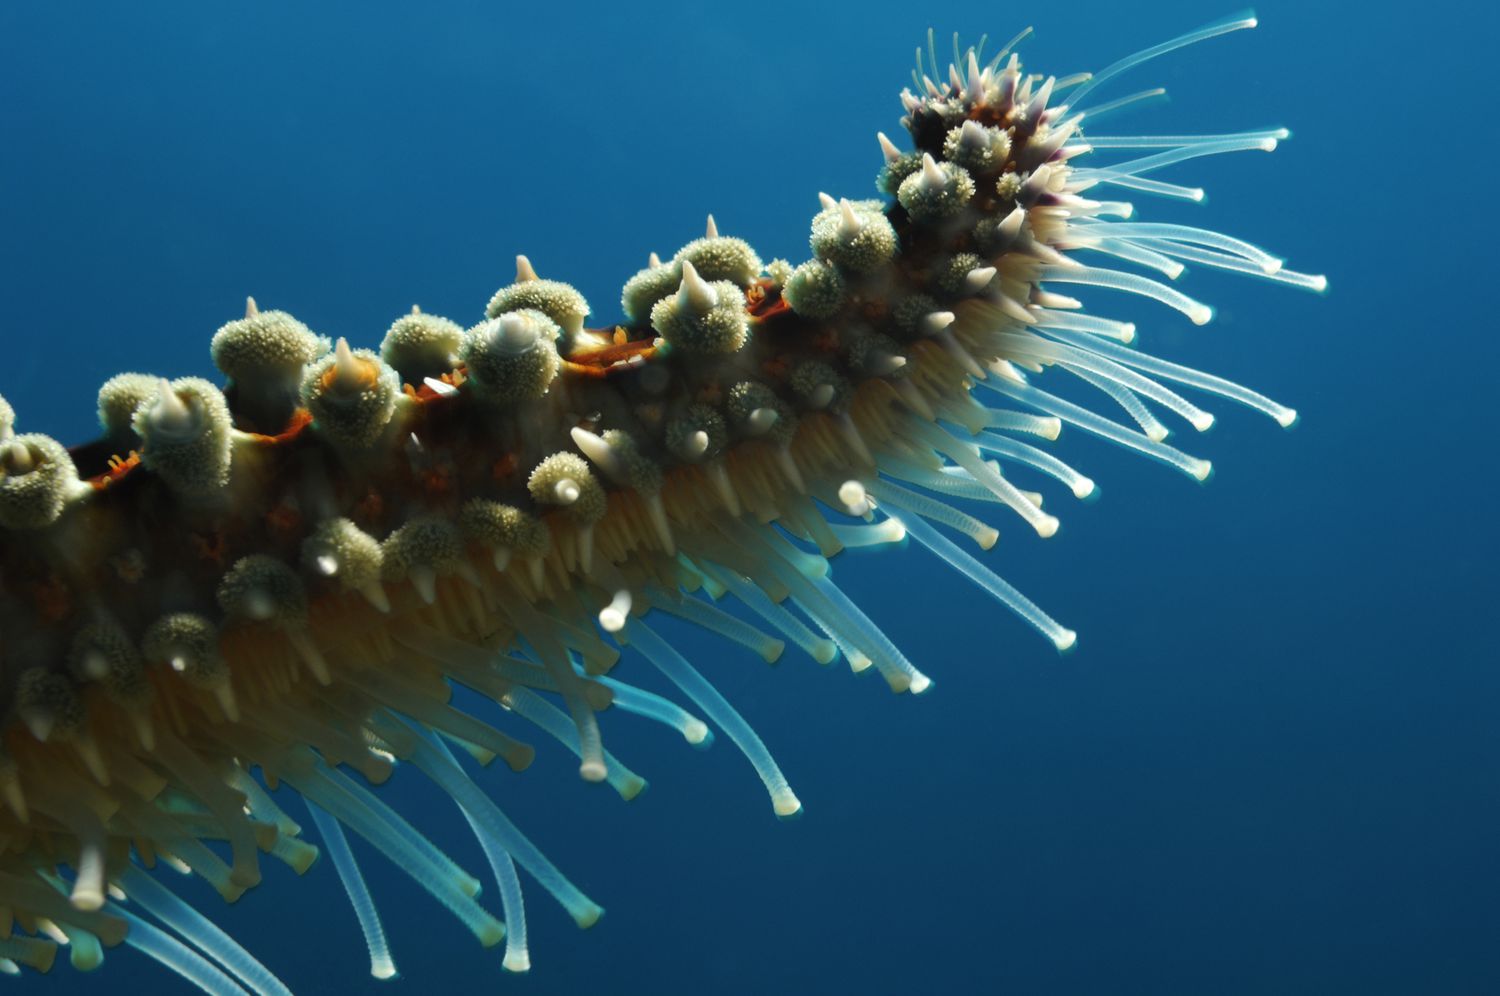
pixel 1271 764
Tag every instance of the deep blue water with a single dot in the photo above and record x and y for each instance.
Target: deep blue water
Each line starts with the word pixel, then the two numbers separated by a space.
pixel 1271 764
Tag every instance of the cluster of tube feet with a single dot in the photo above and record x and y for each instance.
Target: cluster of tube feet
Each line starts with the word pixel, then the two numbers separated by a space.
pixel 278 584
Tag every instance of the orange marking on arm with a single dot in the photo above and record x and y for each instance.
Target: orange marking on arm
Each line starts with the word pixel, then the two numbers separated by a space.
pixel 118 467
pixel 300 420
pixel 425 394
pixel 579 370
pixel 760 303
pixel 600 361
pixel 368 374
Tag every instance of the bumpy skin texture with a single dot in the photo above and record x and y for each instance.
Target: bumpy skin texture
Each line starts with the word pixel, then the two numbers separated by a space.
pixel 260 587
pixel 818 385
pixel 105 653
pixel 719 420
pixel 191 465
pixel 721 329
pixel 978 149
pixel 419 346
pixel 872 354
pixel 502 373
pixel 428 541
pixel 893 173
pixel 48 695
pixel 927 203
pixel 263 355
pixel 34 498
pixel 695 418
pixel 908 312
pixel 267 343
pixel 647 287
pixel 866 250
pixel 748 396
pixel 189 639
pixel 119 398
pixel 558 301
pixel 815 289
pixel 355 554
pixel 588 507
pixel 672 389
pixel 778 272
pixel 721 258
pixel 351 415
pixel 639 472
pixel 497 525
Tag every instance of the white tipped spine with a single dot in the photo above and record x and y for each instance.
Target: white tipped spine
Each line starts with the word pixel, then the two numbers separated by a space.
pixel 695 294
pixel 600 453
pixel 934 180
